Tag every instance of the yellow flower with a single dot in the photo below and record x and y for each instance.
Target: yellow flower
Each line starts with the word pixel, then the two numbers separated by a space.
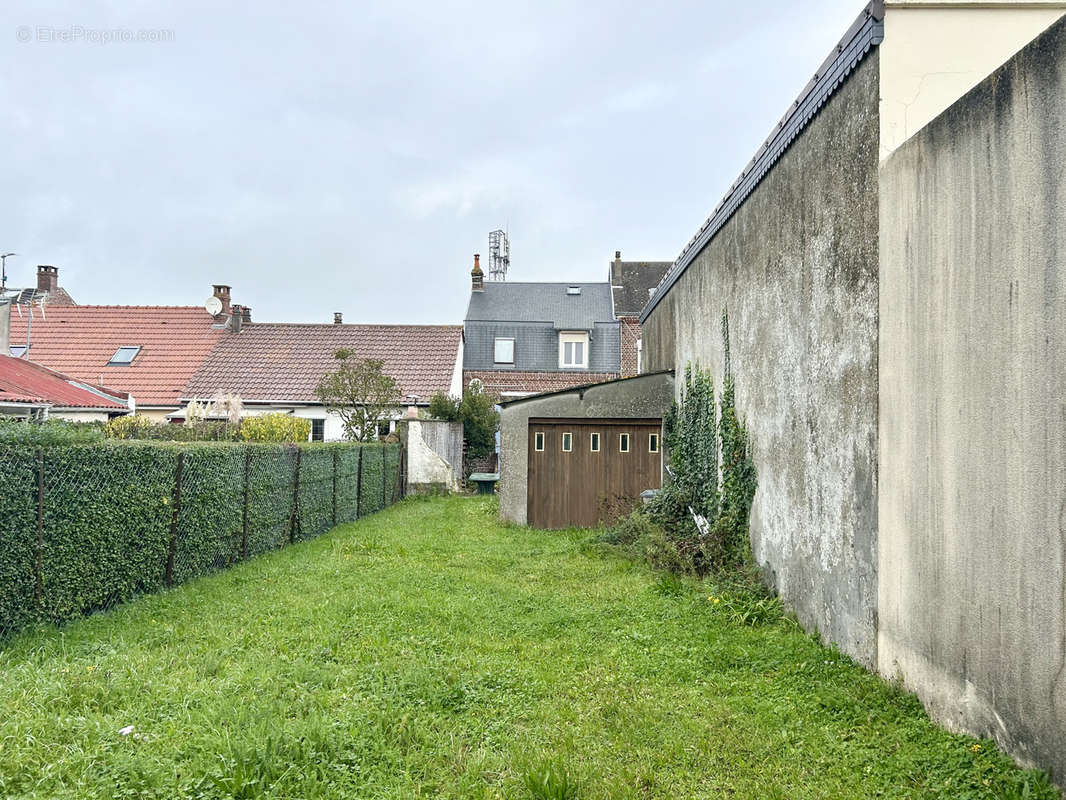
pixel 166 501
pixel 716 600
pixel 976 748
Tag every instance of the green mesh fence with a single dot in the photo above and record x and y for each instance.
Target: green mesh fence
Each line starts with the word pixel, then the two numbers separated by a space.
pixel 85 525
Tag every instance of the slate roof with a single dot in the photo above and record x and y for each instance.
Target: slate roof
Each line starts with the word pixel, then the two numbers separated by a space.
pixel 80 340
pixel 505 301
pixel 632 282
pixel 283 362
pixel 22 381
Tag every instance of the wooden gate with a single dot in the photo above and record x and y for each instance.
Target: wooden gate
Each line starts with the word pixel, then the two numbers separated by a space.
pixel 583 472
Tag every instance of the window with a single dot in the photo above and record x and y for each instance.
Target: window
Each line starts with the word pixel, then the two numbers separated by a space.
pixel 573 290
pixel 568 442
pixel 18 350
pixel 623 443
pixel 594 442
pixel 653 443
pixel 574 350
pixel 504 351
pixel 124 356
pixel 538 441
pixel 318 430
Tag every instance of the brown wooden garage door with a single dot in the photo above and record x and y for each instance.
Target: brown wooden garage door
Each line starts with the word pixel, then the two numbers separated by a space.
pixel 584 472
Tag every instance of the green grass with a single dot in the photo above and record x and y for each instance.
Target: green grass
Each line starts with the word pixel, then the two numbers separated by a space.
pixel 429 651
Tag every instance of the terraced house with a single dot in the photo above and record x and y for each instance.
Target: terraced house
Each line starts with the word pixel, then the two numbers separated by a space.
pixel 527 338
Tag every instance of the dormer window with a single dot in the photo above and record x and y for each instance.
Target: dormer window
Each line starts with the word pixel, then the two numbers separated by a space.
pixel 573 350
pixel 503 352
pixel 124 356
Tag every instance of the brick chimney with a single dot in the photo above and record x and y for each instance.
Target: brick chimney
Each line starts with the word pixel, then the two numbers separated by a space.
pixel 338 318
pixel 47 278
pixel 477 277
pixel 222 293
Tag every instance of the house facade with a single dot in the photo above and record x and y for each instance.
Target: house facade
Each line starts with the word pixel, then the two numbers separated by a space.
pixel 276 367
pixel 527 338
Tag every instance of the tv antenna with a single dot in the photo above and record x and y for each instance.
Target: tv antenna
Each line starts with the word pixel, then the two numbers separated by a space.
pixel 3 269
pixel 499 255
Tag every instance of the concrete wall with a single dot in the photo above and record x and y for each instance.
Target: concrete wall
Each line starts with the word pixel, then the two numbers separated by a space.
pixel 972 587
pixel 796 267
pixel 644 397
pixel 434 454
pixel 937 50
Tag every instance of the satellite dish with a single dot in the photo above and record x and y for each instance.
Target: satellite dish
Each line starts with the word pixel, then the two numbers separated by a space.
pixel 213 306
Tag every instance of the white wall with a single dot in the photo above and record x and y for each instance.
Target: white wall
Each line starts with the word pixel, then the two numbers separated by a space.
pixel 77 416
pixel 937 50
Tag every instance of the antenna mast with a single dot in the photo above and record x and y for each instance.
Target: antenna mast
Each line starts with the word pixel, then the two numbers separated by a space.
pixel 499 255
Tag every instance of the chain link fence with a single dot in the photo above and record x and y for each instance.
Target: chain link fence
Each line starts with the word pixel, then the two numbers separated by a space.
pixel 87 525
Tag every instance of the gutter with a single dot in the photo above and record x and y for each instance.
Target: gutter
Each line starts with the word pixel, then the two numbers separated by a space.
pixel 867 32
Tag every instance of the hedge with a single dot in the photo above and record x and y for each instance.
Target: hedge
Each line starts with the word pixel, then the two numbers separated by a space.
pixel 88 524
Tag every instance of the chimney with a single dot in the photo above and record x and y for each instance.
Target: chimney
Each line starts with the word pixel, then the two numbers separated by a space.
pixel 47 278
pixel 338 318
pixel 241 316
pixel 246 315
pixel 222 293
pixel 617 255
pixel 477 277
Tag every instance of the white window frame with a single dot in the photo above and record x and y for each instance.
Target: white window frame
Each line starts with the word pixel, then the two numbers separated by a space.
pixel 574 337
pixel 594 442
pixel 653 443
pixel 538 441
pixel 496 350
pixel 628 441
pixel 567 442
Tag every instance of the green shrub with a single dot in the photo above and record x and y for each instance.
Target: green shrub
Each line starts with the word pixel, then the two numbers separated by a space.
pixel 477 411
pixel 111 530
pixel 52 431
pixel 130 426
pixel 275 428
pixel 315 505
pixel 107 510
pixel 208 535
pixel 18 536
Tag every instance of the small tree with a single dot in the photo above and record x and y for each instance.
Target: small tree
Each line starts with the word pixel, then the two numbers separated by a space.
pixel 477 411
pixel 359 392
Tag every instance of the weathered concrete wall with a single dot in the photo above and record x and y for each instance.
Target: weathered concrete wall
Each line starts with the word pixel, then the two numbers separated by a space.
pixel 972 588
pixel 643 397
pixel 796 267
pixel 434 454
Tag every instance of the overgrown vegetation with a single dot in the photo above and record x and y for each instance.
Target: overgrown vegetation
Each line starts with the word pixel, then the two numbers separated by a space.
pixel 360 392
pixel 275 428
pixel 698 523
pixel 431 651
pixel 477 411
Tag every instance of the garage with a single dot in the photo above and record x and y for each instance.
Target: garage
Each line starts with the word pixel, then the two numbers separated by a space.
pixel 582 456
pixel 581 472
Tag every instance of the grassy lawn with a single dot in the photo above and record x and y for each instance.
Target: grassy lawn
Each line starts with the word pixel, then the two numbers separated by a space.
pixel 431 652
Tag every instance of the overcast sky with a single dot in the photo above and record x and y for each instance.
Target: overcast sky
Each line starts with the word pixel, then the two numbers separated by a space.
pixel 353 157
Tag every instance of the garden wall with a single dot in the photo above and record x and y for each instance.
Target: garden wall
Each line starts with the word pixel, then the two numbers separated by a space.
pixel 972 589
pixel 84 526
pixel 796 268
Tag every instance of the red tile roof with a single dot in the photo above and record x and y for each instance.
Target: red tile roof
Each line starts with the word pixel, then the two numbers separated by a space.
pixel 281 362
pixel 22 381
pixel 80 341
